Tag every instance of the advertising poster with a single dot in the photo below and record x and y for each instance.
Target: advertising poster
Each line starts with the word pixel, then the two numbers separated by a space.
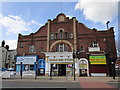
pixel 98 59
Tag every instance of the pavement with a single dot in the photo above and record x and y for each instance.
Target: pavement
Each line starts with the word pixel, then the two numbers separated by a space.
pixel 84 83
pixel 99 83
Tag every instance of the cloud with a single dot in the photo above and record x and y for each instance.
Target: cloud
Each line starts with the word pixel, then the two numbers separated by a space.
pixel 33 22
pixel 70 17
pixel 15 24
pixel 98 10
pixel 12 44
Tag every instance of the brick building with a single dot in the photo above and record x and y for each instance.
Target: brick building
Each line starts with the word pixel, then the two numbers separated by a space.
pixel 55 42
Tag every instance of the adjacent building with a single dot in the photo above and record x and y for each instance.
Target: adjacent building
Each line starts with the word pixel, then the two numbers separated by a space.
pixel 7 58
pixel 52 47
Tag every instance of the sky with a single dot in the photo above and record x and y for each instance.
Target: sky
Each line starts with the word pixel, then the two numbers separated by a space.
pixel 27 17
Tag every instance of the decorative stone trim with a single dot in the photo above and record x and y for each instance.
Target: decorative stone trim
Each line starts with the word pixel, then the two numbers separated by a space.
pixel 61 41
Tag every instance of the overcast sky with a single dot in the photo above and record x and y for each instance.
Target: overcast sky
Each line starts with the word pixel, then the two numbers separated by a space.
pixel 28 17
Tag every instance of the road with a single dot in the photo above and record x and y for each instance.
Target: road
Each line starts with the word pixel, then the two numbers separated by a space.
pixel 37 84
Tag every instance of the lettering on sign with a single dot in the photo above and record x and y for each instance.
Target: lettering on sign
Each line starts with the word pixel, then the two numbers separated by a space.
pixel 60 60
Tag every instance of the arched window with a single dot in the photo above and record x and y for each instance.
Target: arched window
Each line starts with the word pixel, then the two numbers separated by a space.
pixel 61 34
pixel 94 44
pixel 41 63
pixel 32 48
pixel 61 48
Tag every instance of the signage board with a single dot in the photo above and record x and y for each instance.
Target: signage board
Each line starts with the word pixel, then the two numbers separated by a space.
pixel 26 59
pixel 98 59
pixel 83 64
pixel 60 60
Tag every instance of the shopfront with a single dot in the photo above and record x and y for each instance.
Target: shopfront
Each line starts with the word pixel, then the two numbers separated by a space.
pixel 98 65
pixel 61 63
pixel 28 63
pixel 83 67
pixel 41 67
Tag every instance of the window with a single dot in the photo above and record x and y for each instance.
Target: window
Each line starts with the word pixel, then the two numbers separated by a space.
pixel 94 44
pixel 61 48
pixel 56 35
pixel 51 36
pixel 31 67
pixel 42 50
pixel 55 66
pixel 66 35
pixel 42 64
pixel 71 35
pixel 81 48
pixel 61 34
pixel 26 67
pixel 20 44
pixel 32 49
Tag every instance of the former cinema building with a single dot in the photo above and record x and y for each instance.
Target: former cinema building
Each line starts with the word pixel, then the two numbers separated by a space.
pixel 52 46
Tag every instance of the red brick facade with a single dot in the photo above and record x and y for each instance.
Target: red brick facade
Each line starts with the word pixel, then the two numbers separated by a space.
pixel 81 36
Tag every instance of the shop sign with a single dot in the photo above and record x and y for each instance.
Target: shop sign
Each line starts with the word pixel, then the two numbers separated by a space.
pixel 26 59
pixel 98 59
pixel 83 66
pixel 60 60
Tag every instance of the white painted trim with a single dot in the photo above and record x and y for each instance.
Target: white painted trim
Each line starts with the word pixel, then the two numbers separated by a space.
pixel 61 41
pixel 98 74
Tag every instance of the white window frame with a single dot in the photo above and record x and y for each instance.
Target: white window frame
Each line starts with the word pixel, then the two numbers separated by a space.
pixel 61 47
pixel 94 44
pixel 32 49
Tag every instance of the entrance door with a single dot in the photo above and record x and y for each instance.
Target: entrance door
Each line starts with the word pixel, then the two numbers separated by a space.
pixel 61 69
pixel 83 68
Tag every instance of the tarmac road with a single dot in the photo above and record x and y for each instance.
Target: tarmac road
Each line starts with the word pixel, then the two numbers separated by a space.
pixel 35 84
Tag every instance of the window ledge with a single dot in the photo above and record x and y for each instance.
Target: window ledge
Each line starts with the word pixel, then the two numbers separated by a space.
pixel 94 48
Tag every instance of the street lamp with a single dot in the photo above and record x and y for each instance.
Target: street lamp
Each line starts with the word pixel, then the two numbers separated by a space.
pixel 107 24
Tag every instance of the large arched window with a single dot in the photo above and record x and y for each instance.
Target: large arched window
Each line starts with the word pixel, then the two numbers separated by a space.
pixel 61 48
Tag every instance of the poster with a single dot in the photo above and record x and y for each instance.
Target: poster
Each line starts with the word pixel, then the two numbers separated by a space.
pixel 98 59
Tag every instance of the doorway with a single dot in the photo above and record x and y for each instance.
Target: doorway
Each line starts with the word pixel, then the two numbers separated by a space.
pixel 61 69
pixel 83 67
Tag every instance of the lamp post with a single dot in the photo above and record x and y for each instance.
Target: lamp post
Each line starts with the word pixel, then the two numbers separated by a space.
pixel 74 56
pixel 21 69
pixel 51 71
pixel 36 70
pixel 113 69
